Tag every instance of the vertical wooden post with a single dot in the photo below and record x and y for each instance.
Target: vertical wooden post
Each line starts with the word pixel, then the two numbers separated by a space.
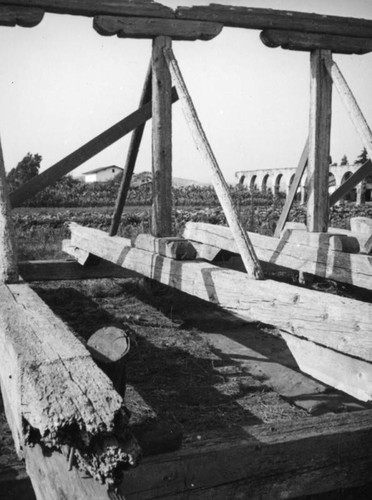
pixel 161 140
pixel 131 158
pixel 319 141
pixel 8 260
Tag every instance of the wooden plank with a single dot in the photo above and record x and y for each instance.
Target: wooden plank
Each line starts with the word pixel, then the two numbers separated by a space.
pixel 305 41
pixel 319 142
pixel 281 460
pixel 161 222
pixel 54 394
pixel 293 190
pixel 82 154
pixel 339 323
pixel 351 182
pixel 323 242
pixel 361 224
pixel 257 18
pixel 242 240
pixel 177 29
pixel 97 7
pixel 133 150
pixel 173 248
pixel 20 16
pixel 355 269
pixel 8 259
pixel 351 105
pixel 337 370
pixel 50 270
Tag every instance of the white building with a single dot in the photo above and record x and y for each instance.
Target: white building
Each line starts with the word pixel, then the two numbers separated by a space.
pixel 102 174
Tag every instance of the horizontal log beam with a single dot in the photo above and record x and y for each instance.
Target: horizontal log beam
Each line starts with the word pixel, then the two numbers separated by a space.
pixel 303 41
pixel 351 182
pixel 20 16
pixel 97 7
pixel 354 269
pixel 134 27
pixel 262 19
pixel 339 323
pixel 83 154
pixel 54 394
pixel 276 460
pixel 173 247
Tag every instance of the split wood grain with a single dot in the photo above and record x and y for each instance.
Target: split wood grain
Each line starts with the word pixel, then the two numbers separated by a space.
pixel 11 15
pixel 319 142
pixel 245 246
pixel 82 154
pixel 338 323
pixel 161 223
pixel 177 29
pixel 355 269
pixel 8 258
pixel 261 19
pixel 305 41
pixel 173 248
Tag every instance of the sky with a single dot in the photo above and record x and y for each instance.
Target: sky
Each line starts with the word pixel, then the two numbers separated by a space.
pixel 61 84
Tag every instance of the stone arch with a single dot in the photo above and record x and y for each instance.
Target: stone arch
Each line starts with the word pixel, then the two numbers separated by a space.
pixel 241 179
pixel 252 183
pixel 278 186
pixel 351 195
pixel 332 183
pixel 264 183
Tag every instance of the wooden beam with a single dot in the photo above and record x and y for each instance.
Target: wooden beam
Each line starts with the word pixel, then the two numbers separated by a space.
pixel 299 40
pixel 20 16
pixel 161 140
pixel 8 259
pixel 351 105
pixel 354 269
pixel 97 7
pixel 53 392
pixel 50 270
pixel 319 142
pixel 174 248
pixel 293 190
pixel 222 190
pixel 351 182
pixel 256 18
pixel 133 149
pixel 339 323
pixel 83 154
pixel 134 27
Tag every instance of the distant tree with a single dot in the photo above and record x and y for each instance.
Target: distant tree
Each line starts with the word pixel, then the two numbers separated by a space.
pixel 362 158
pixel 24 171
pixel 344 160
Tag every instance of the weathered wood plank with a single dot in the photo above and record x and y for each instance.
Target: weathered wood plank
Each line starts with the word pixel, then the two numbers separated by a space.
pixel 134 27
pixel 298 40
pixel 354 269
pixel 98 7
pixel 339 323
pixel 323 242
pixel 257 18
pixel 20 16
pixel 82 154
pixel 361 224
pixel 133 150
pixel 8 259
pixel 293 189
pixel 161 223
pixel 49 270
pixel 350 104
pixel 246 249
pixel 282 460
pixel 54 393
pixel 351 182
pixel 319 142
pixel 173 248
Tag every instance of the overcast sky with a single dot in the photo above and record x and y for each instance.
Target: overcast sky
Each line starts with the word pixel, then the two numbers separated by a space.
pixel 61 84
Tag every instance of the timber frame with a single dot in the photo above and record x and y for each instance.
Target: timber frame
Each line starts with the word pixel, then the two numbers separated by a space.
pixel 327 452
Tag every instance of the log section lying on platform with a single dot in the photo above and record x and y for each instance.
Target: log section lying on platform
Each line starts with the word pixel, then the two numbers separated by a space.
pixel 355 269
pixel 337 323
pixel 297 40
pixel 54 394
pixel 20 16
pixel 255 18
pixel 134 27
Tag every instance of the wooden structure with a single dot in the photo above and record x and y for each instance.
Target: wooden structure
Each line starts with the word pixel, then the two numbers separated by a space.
pixel 60 405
